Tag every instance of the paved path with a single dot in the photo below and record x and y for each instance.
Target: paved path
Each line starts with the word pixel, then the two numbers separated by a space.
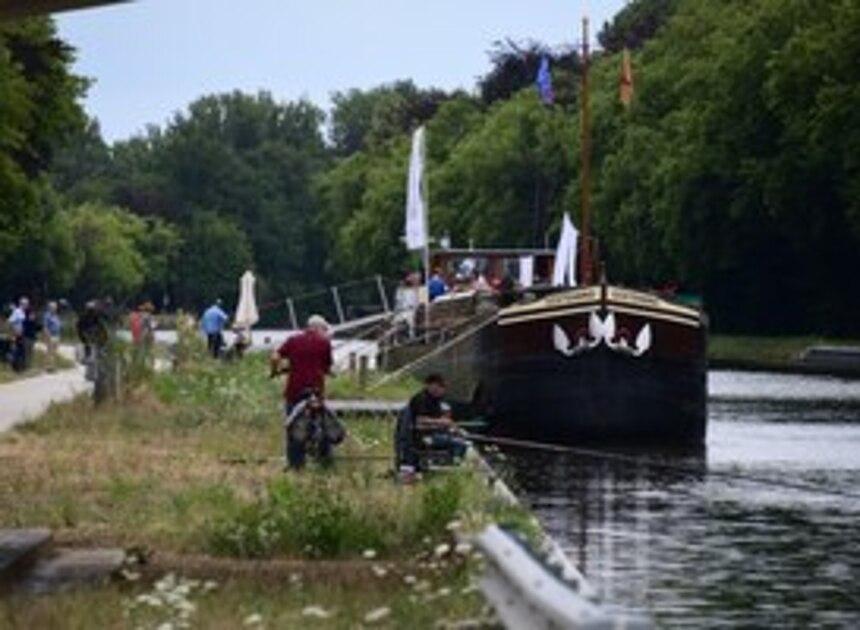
pixel 28 398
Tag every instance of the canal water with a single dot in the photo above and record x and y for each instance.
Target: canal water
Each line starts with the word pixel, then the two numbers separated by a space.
pixel 691 540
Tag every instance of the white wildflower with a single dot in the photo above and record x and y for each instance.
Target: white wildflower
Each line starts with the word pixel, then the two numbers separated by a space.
pixel 317 612
pixel 377 614
pixel 253 619
pixel 442 550
pixel 369 554
pixel 453 526
pixel 443 592
pixel 409 579
pixel 131 576
pixel 379 571
pixel 463 549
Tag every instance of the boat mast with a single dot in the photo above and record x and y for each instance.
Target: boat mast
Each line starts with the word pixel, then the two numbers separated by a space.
pixel 586 264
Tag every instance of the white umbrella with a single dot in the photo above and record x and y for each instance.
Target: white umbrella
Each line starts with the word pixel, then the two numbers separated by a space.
pixel 246 313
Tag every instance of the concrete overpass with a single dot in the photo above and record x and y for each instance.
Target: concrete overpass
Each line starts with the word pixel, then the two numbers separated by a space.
pixel 12 9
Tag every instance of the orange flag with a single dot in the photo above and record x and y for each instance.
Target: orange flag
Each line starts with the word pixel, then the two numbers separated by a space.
pixel 626 83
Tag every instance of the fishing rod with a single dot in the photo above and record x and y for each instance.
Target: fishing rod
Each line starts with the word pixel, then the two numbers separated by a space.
pixel 628 459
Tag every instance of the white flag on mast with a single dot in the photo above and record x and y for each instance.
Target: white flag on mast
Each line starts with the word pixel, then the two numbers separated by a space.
pixel 564 271
pixel 416 204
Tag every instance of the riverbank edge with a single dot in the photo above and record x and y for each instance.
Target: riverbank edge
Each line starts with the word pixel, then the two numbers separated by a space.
pixel 781 355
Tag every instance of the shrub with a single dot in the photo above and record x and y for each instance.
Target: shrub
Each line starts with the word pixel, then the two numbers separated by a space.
pixel 289 521
pixel 440 504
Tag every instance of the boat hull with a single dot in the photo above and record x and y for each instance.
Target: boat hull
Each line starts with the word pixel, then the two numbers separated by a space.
pixel 597 365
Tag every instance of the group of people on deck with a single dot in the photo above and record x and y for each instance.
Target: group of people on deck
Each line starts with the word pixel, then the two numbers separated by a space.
pixel 469 279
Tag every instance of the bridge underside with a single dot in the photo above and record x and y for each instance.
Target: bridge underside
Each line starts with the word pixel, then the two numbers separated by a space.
pixel 11 9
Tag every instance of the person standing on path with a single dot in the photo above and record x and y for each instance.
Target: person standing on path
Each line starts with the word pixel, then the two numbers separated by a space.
pixel 52 327
pixel 16 323
pixel 213 322
pixel 32 327
pixel 95 333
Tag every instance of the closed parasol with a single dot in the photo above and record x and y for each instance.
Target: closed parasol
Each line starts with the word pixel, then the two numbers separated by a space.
pixel 246 313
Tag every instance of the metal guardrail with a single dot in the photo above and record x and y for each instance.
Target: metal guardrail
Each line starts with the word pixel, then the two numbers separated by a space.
pixel 528 594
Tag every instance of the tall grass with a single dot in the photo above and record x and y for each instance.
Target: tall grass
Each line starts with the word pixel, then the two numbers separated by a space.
pixel 327 517
pixel 191 461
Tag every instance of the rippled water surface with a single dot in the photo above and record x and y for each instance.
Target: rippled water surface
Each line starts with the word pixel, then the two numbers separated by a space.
pixel 722 538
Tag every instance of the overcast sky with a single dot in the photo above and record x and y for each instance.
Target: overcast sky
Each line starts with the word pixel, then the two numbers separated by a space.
pixel 152 57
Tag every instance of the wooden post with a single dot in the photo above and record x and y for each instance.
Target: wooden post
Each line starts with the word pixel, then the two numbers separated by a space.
pixel 362 371
pixel 353 361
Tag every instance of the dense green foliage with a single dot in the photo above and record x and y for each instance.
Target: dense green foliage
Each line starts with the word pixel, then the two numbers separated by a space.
pixel 38 108
pixel 734 172
pixel 234 174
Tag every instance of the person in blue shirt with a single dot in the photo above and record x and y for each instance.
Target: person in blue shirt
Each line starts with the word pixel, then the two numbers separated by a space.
pixel 52 326
pixel 436 288
pixel 213 322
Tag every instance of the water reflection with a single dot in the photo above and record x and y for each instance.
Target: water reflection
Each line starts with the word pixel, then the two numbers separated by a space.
pixel 675 535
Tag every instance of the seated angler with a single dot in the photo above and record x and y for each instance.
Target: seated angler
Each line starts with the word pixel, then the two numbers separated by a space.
pixel 426 425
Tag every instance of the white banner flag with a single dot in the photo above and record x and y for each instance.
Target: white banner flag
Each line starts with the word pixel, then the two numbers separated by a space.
pixel 564 271
pixel 416 204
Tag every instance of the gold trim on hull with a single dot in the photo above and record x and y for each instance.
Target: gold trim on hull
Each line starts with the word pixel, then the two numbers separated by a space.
pixel 589 300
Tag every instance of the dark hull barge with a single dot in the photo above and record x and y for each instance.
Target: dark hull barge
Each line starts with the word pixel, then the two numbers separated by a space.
pixel 596 364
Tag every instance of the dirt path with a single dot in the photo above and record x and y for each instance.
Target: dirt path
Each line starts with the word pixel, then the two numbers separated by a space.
pixel 26 399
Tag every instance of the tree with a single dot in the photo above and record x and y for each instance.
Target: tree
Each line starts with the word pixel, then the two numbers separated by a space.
pixel 108 259
pixel 515 68
pixel 361 119
pixel 215 254
pixel 635 24
pixel 38 109
pixel 244 158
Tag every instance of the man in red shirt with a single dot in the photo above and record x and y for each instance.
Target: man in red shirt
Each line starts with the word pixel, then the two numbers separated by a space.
pixel 310 359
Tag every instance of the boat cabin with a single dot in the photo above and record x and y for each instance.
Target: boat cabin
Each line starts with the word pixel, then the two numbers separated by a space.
pixel 527 267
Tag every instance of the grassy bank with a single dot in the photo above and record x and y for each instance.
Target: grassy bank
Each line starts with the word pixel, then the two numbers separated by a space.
pixel 764 352
pixel 426 599
pixel 190 465
pixel 193 463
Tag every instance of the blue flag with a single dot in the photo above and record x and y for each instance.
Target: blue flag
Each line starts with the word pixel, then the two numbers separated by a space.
pixel 544 82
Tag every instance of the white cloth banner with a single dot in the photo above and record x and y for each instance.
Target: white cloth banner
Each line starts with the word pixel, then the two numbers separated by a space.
pixel 564 271
pixel 416 204
pixel 246 312
pixel 527 271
